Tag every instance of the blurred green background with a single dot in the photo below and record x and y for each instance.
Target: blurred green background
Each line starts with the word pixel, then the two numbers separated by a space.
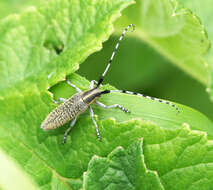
pixel 136 67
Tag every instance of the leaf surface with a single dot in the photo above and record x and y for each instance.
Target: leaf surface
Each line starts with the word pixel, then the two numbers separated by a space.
pixel 122 169
pixel 173 159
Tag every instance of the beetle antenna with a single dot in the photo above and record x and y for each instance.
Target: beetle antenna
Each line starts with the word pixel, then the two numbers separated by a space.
pixel 113 53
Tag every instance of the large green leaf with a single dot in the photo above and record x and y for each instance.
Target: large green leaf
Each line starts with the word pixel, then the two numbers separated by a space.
pixel 178 159
pixel 30 37
pixel 30 61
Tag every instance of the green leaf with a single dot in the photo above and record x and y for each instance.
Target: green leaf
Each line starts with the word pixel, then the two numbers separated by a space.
pixel 122 169
pixel 39 47
pixel 204 11
pixel 175 32
pixel 180 158
pixel 38 34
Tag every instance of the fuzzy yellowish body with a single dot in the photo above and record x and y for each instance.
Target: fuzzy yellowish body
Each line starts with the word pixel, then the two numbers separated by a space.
pixel 71 108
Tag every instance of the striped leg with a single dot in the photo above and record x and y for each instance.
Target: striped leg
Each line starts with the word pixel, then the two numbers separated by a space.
pixel 96 126
pixel 148 97
pixel 68 130
pixel 72 85
pixel 112 106
pixel 59 100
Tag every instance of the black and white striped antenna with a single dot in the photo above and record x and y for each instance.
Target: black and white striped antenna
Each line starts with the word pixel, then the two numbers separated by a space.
pixel 113 53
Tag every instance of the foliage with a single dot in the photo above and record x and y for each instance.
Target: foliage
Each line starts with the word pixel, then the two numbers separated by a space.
pixel 151 148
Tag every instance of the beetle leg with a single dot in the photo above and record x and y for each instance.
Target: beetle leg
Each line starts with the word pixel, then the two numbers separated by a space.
pixel 96 126
pixel 112 106
pixel 68 130
pixel 72 85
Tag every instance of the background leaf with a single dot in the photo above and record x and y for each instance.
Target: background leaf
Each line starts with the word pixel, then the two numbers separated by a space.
pixel 203 10
pixel 164 25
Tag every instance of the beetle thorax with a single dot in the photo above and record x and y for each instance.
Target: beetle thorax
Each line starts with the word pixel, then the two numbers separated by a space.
pixel 91 96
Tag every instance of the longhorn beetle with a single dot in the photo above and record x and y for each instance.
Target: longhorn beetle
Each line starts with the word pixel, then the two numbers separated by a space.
pixel 81 101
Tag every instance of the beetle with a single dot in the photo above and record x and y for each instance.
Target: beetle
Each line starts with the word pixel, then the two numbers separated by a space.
pixel 81 101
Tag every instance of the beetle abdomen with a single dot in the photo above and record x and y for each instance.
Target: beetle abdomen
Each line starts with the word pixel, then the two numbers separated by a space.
pixel 64 112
